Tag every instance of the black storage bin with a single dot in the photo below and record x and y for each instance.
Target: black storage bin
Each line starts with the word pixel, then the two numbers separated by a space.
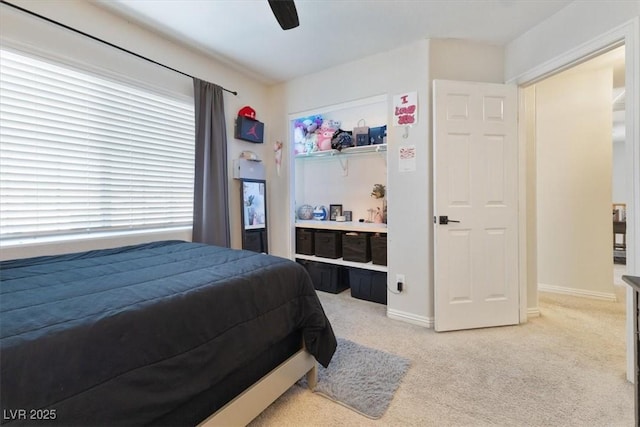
pixel 355 247
pixel 368 285
pixel 379 249
pixel 304 241
pixel 253 241
pixel 328 244
pixel 327 277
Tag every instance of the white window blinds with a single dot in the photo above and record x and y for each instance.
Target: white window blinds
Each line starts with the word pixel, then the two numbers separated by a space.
pixel 80 153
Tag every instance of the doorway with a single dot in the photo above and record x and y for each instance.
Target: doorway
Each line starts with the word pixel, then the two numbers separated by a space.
pixel 579 180
pixel 576 188
pixel 623 36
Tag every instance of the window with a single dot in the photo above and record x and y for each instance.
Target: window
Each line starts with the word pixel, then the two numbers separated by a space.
pixel 81 153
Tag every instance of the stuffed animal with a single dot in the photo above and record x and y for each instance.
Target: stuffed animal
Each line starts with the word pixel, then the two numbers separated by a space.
pixel 325 133
pixel 311 143
pixel 298 140
pixel 308 124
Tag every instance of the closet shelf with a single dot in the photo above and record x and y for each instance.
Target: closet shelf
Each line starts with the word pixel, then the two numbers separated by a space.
pixel 376 148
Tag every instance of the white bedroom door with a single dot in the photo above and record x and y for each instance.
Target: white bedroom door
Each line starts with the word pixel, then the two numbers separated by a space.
pixel 475 205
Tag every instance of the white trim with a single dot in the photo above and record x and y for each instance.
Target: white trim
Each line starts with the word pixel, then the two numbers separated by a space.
pixel 629 35
pixel 403 316
pixel 632 125
pixel 605 42
pixel 533 312
pixel 523 271
pixel 577 292
pixel 93 242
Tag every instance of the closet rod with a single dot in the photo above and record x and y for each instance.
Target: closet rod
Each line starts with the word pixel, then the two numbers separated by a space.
pixel 75 30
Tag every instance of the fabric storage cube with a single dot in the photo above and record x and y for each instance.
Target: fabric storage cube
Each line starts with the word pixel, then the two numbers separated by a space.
pixel 355 247
pixel 304 241
pixel 328 244
pixel 253 241
pixel 379 249
pixel 368 285
pixel 327 277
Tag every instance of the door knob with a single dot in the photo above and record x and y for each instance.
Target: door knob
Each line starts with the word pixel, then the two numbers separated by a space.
pixel 445 220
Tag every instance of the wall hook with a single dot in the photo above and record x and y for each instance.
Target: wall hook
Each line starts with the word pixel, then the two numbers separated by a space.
pixel 406 132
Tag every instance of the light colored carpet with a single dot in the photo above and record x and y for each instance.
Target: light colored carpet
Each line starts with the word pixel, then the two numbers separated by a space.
pixel 361 378
pixel 564 368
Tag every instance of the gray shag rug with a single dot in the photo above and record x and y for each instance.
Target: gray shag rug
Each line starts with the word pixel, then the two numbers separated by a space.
pixel 361 378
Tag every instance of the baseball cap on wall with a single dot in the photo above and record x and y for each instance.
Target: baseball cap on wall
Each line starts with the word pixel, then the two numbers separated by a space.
pixel 247 111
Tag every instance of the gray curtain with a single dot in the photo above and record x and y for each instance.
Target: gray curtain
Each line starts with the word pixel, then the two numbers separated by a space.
pixel 211 192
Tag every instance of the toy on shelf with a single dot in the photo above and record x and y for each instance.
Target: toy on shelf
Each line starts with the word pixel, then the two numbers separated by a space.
pixel 325 133
pixel 304 134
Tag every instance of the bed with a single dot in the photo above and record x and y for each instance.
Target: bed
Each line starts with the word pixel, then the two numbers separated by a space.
pixel 164 333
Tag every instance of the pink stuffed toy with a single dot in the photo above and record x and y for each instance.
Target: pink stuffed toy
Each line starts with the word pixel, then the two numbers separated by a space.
pixel 325 133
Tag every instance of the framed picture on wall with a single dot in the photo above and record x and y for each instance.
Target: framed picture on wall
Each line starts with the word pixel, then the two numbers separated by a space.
pixel 334 211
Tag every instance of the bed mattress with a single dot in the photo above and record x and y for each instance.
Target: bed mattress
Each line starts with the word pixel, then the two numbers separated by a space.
pixel 126 335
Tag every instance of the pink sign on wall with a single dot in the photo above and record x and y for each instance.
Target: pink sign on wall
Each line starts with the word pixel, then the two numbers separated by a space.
pixel 405 109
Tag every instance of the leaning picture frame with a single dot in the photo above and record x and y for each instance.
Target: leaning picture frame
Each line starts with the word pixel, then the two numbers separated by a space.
pixel 254 212
pixel 334 211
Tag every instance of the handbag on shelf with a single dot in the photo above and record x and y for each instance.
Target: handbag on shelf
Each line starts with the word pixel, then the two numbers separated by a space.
pixel 361 133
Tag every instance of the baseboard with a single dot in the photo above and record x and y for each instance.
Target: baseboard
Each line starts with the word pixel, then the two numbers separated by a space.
pixel 577 292
pixel 533 312
pixel 426 322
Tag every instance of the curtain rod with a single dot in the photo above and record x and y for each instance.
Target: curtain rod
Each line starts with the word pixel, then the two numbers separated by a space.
pixel 60 24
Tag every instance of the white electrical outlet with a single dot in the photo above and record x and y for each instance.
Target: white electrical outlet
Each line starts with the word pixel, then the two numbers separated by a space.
pixel 400 279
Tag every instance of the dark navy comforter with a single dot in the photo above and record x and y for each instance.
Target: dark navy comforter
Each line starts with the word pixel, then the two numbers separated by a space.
pixel 121 336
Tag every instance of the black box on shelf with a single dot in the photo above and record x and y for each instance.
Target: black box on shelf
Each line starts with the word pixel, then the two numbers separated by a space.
pixel 378 135
pixel 328 244
pixel 368 285
pixel 327 277
pixel 356 247
pixel 305 241
pixel 249 129
pixel 379 249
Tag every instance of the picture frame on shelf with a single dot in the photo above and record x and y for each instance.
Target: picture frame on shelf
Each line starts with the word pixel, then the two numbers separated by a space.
pixel 619 212
pixel 334 211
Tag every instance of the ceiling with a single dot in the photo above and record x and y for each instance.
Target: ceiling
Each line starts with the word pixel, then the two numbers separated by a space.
pixel 245 35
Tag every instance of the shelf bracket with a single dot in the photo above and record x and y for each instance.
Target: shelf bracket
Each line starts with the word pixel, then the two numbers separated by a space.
pixel 344 165
pixel 383 154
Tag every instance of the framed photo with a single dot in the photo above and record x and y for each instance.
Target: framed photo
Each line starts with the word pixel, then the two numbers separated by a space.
pixel 334 211
pixel 619 212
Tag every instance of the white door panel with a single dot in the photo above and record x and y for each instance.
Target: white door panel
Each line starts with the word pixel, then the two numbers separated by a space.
pixel 475 183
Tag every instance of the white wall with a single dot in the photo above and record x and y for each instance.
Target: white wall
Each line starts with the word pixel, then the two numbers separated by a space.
pixel 400 70
pixel 342 180
pixel 453 59
pixel 22 31
pixel 410 68
pixel 574 181
pixel 571 27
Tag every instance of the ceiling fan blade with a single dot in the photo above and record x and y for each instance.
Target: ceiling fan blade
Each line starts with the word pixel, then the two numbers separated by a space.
pixel 285 12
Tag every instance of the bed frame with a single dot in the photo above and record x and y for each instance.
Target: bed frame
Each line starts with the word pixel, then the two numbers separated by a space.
pixel 250 403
